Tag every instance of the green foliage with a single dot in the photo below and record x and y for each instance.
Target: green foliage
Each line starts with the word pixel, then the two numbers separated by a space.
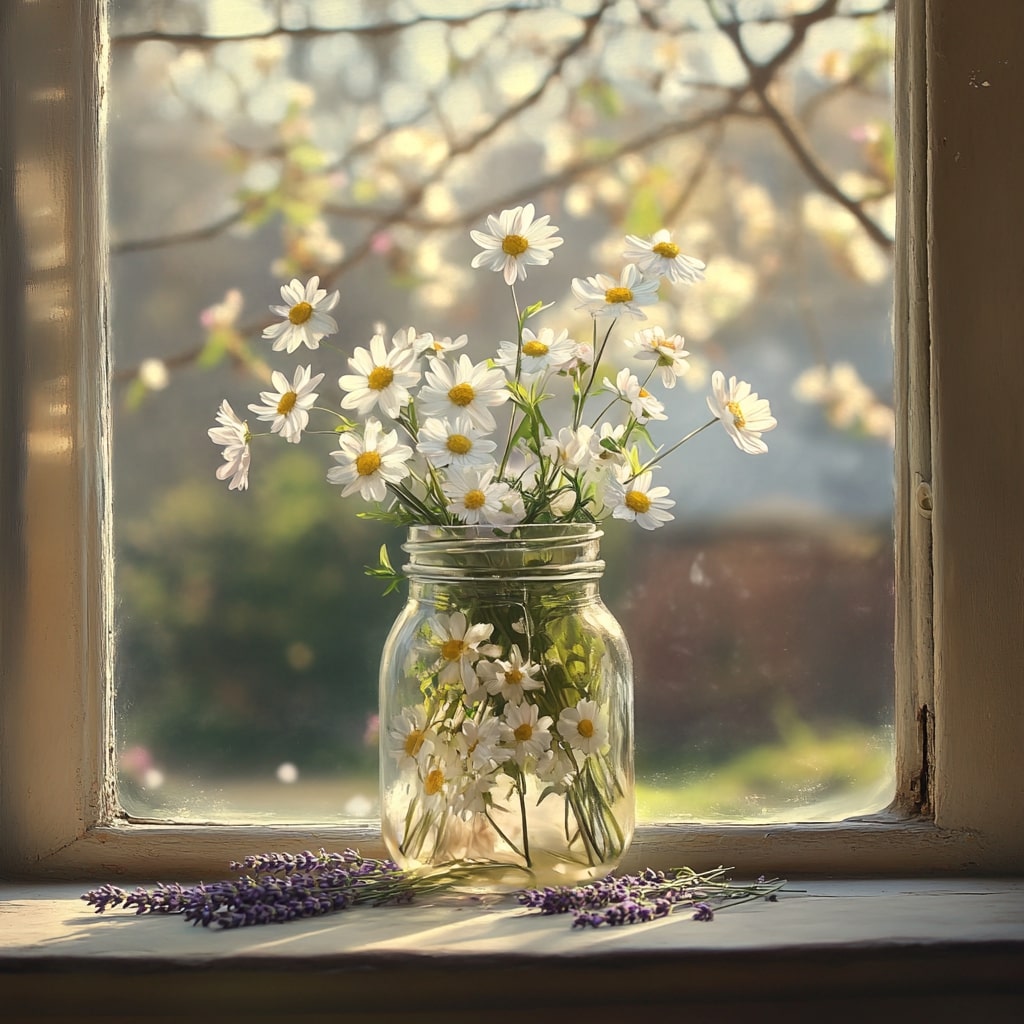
pixel 801 768
pixel 253 637
pixel 384 570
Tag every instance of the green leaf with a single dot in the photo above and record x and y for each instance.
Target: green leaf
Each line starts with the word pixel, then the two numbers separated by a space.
pixel 640 429
pixel 533 310
pixel 384 570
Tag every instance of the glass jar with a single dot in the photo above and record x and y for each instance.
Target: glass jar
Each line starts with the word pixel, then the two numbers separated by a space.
pixel 506 709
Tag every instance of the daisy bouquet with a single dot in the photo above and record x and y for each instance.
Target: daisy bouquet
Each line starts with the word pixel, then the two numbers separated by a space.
pixel 509 702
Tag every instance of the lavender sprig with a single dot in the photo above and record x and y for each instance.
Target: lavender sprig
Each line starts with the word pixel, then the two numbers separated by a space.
pixel 635 899
pixel 277 887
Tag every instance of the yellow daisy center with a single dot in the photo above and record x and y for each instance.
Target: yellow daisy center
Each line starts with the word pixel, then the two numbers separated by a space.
pixel 514 245
pixel 513 676
pixel 474 499
pixel 667 249
pixel 300 312
pixel 644 393
pixel 433 782
pixel 461 394
pixel 585 728
pixel 738 419
pixel 534 348
pixel 618 295
pixel 452 650
pixel 380 378
pixel 523 732
pixel 287 403
pixel 413 742
pixel 459 444
pixel 638 502
pixel 367 464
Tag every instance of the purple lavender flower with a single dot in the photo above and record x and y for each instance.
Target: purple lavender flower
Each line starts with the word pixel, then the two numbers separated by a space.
pixel 634 899
pixel 278 887
pixel 703 912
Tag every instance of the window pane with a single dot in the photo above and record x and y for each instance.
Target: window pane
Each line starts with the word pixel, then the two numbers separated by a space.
pixel 252 141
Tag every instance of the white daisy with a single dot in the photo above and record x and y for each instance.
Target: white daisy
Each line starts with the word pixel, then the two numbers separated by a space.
pixel 409 338
pixel 462 388
pixel 556 769
pixel 582 359
pixel 513 509
pixel 530 733
pixel 744 416
pixel 469 802
pixel 234 434
pixel 289 404
pixel 571 449
pixel 479 739
pixel 474 497
pixel 440 347
pixel 660 257
pixel 370 462
pixel 459 645
pixel 513 241
pixel 642 404
pixel 510 678
pixel 382 377
pixel 606 462
pixel 541 352
pixel 610 455
pixel 603 296
pixel 585 727
pixel 306 318
pixel 409 740
pixel 668 354
pixel 442 774
pixel 455 443
pixel 563 496
pixel 636 500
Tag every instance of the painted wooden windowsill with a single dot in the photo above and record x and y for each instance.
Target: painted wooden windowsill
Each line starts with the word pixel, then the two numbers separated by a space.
pixel 830 946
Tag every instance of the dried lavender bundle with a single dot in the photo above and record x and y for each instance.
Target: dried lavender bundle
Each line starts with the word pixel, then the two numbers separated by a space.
pixel 634 899
pixel 276 887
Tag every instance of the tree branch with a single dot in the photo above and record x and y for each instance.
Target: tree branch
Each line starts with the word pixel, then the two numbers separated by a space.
pixel 200 40
pixel 201 234
pixel 760 77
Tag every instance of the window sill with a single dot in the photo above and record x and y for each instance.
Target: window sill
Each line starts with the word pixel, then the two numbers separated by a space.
pixel 842 946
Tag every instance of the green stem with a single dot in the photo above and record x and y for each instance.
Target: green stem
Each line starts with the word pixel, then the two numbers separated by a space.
pixel 598 353
pixel 497 828
pixel 519 368
pixel 521 786
pixel 668 451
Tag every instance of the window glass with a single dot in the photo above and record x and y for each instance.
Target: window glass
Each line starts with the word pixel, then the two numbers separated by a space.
pixel 253 141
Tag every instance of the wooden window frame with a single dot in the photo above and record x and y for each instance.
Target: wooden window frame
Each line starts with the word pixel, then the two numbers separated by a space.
pixel 960 584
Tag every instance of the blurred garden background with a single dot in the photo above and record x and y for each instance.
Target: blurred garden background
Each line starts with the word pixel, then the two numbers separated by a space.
pixel 251 141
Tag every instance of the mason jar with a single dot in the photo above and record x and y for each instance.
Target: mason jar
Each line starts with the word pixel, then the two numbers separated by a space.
pixel 506 709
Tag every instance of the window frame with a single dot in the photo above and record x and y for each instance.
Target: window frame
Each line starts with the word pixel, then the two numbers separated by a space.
pixel 959 580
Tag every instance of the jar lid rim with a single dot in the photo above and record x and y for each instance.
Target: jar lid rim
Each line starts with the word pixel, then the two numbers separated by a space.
pixel 431 531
